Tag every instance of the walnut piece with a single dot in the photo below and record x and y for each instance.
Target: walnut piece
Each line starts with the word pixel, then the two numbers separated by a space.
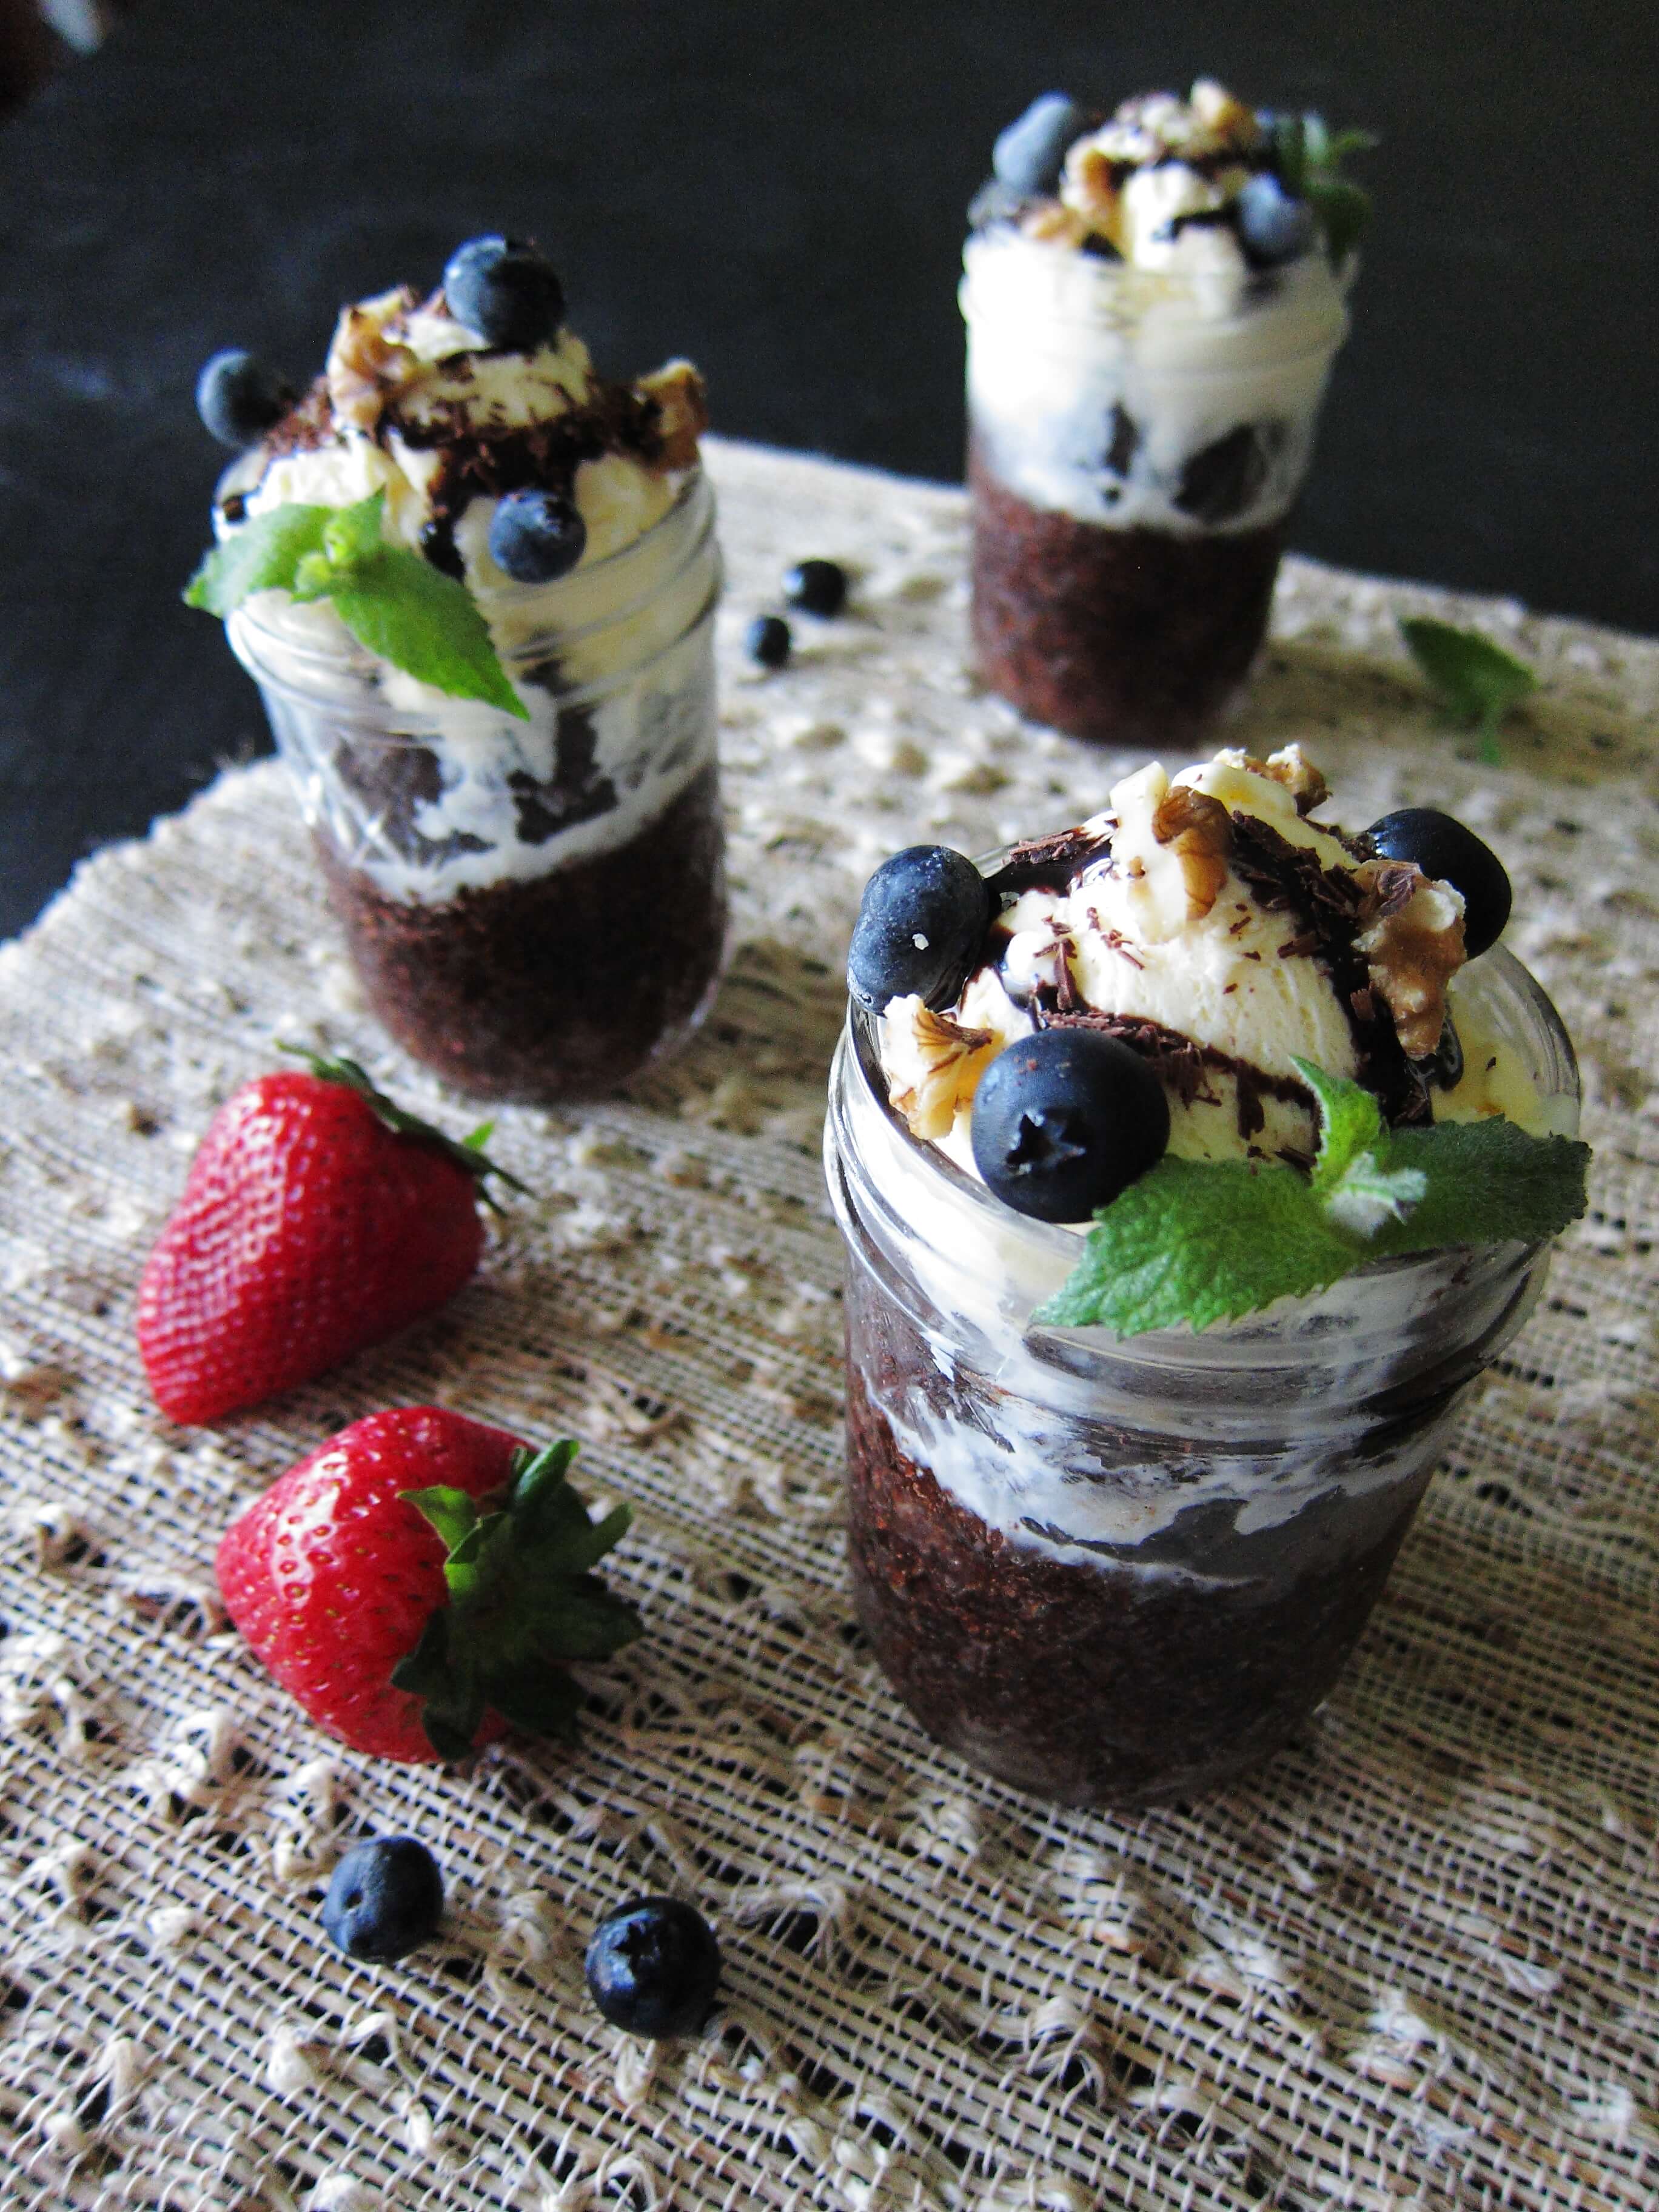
pixel 1412 937
pixel 366 368
pixel 682 401
pixel 1199 832
pixel 933 1065
pixel 1290 766
pixel 1054 225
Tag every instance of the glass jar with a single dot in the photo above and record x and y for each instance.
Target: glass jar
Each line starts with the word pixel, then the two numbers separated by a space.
pixel 1118 1572
pixel 535 908
pixel 1136 439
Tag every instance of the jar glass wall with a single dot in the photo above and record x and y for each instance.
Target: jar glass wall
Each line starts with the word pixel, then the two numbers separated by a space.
pixel 1122 1571
pixel 536 908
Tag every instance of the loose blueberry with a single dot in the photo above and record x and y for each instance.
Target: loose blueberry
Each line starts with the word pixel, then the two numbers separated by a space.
pixel 239 398
pixel 1066 1119
pixel 1443 847
pixel 1274 227
pixel 536 536
pixel 502 288
pixel 1028 156
pixel 653 1966
pixel 922 923
pixel 386 1899
pixel 767 640
pixel 818 587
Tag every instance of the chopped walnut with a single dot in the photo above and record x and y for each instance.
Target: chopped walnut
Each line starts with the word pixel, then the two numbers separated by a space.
pixel 1412 937
pixel 1090 187
pixel 682 401
pixel 1290 766
pixel 366 368
pixel 1198 830
pixel 1051 224
pixel 1223 115
pixel 933 1065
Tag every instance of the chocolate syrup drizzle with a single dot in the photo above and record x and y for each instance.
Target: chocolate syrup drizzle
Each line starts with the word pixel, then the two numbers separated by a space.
pixel 1324 904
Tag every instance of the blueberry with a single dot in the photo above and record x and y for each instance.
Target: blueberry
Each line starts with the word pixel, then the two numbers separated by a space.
pixel 653 1967
pixel 1028 156
pixel 502 288
pixel 921 928
pixel 820 587
pixel 1444 848
pixel 1066 1119
pixel 767 640
pixel 239 398
pixel 386 1899
pixel 536 536
pixel 1273 226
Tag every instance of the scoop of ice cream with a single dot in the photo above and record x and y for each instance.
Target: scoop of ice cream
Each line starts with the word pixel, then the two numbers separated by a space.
pixel 414 404
pixel 1210 923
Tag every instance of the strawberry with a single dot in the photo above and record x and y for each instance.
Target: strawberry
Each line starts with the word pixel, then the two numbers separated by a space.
pixel 407 1621
pixel 317 1217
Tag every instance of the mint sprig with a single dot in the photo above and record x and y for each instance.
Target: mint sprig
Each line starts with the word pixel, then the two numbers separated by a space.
pixel 1309 155
pixel 1475 681
pixel 1205 1241
pixel 398 605
pixel 523 1603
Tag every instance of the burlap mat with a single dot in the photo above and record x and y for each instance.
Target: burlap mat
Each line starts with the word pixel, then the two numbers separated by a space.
pixel 1404 1966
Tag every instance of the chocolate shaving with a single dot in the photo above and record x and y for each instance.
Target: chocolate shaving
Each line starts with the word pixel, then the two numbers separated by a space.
pixel 1049 863
pixel 1184 1065
pixel 1326 903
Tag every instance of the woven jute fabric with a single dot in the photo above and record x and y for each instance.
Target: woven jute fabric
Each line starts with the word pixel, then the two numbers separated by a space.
pixel 1411 1963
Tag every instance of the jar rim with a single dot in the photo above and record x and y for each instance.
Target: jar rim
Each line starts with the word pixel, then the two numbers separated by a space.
pixel 514 597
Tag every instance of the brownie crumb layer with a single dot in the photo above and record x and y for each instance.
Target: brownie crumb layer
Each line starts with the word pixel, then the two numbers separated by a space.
pixel 1129 637
pixel 560 988
pixel 1107 1685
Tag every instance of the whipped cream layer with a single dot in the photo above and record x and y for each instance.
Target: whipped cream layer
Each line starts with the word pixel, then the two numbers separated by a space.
pixel 1177 400
pixel 1131 363
pixel 1219 930
pixel 612 660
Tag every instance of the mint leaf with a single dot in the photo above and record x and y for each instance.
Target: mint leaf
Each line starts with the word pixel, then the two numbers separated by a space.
pixel 1487 1181
pixel 426 623
pixel 522 1603
pixel 1343 209
pixel 393 602
pixel 1307 157
pixel 1199 1240
pixel 1205 1241
pixel 1476 681
pixel 261 555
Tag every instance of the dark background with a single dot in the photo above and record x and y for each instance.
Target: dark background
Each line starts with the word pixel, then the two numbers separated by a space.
pixel 777 191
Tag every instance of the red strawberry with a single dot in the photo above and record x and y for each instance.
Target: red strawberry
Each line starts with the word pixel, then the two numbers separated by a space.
pixel 404 1620
pixel 317 1218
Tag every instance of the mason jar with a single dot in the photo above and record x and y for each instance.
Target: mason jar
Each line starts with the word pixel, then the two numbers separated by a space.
pixel 1115 1571
pixel 1136 439
pixel 536 908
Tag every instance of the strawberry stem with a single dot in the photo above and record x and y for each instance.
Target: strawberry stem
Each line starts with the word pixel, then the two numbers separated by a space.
pixel 466 1153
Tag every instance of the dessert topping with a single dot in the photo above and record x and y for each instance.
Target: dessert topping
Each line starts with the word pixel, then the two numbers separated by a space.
pixel 653 1966
pixel 680 397
pixel 385 1899
pixel 1197 1242
pixel 1442 847
pixel 1198 831
pixel 933 1065
pixel 921 922
pixel 1290 766
pixel 239 398
pixel 1411 940
pixel 506 291
pixel 1028 156
pixel 1065 1121
pixel 420 1581
pixel 537 536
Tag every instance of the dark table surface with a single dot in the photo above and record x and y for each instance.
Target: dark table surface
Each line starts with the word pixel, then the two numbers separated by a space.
pixel 777 190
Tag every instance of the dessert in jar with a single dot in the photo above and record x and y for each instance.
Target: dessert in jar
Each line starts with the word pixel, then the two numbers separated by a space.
pixel 1188 1171
pixel 476 584
pixel 1152 303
